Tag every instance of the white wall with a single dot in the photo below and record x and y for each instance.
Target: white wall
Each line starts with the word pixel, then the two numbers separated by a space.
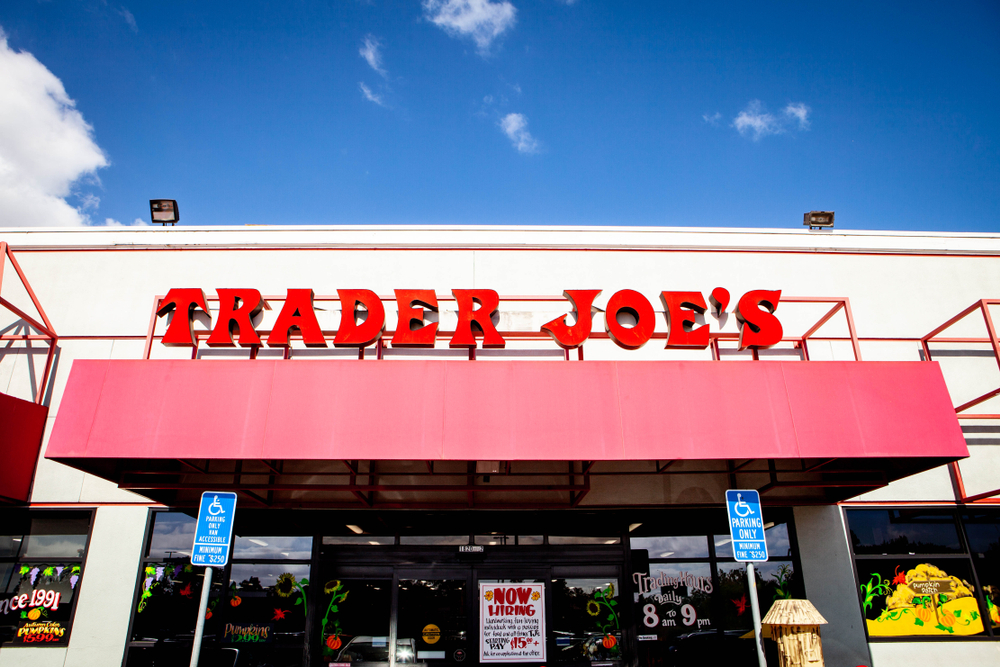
pixel 100 285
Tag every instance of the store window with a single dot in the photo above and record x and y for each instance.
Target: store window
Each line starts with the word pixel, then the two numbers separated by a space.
pixel 917 578
pixel 691 598
pixel 257 607
pixel 354 622
pixel 586 620
pixel 41 568
pixel 983 530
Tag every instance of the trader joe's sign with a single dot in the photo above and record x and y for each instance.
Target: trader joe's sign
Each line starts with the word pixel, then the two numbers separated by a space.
pixel 239 308
pixel 512 622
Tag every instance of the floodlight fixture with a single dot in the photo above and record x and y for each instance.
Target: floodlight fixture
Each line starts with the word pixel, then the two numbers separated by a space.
pixel 164 211
pixel 818 219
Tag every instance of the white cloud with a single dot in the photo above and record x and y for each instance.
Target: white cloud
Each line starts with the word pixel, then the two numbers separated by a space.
pixel 130 19
pixel 480 20
pixel 370 96
pixel 515 126
pixel 46 147
pixel 370 52
pixel 800 112
pixel 712 119
pixel 755 121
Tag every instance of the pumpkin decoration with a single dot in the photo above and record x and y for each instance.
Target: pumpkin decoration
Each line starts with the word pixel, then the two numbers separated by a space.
pixel 609 641
pixel 34 614
pixel 235 602
pixel 923 613
pixel 333 642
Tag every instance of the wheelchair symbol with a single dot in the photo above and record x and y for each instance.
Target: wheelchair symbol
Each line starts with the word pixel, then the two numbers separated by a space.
pixel 742 509
pixel 215 507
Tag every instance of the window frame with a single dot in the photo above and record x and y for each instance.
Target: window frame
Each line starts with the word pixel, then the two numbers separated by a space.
pixel 91 514
pixel 988 632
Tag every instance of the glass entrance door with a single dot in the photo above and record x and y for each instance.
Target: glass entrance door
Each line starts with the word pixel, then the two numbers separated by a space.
pixel 431 615
pixel 433 626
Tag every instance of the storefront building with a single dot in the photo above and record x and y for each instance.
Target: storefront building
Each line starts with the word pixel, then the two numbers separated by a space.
pixel 514 429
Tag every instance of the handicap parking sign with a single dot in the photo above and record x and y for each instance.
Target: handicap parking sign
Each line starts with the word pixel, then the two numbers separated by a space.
pixel 746 525
pixel 213 533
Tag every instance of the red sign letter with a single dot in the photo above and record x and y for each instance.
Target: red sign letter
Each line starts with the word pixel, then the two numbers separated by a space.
pixel 297 313
pixel 405 335
pixel 183 302
pixel 352 334
pixel 468 314
pixel 237 308
pixel 630 301
pixel 681 307
pixel 572 337
pixel 760 328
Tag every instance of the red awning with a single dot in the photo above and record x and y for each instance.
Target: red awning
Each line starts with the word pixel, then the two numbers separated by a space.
pixel 288 410
pixel 21 426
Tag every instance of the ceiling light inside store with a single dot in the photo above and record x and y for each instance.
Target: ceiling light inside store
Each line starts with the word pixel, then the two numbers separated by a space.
pixel 354 529
pixel 260 543
pixel 611 541
pixel 665 554
pixel 633 526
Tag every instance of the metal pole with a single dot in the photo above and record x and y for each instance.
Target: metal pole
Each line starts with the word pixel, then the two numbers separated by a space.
pixel 199 628
pixel 755 608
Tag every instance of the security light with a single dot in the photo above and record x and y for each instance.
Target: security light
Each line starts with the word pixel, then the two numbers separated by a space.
pixel 164 211
pixel 818 219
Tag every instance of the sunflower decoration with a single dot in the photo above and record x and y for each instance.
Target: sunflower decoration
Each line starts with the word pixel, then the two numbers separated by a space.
pixel 286 585
pixel 332 586
pixel 593 608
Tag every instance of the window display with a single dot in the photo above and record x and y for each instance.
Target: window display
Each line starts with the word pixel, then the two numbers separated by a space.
pixel 41 567
pixel 915 574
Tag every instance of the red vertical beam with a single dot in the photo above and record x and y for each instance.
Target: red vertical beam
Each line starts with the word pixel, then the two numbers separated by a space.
pixel 40 392
pixel 3 254
pixel 151 328
pixel 852 330
pixel 957 481
pixel 991 328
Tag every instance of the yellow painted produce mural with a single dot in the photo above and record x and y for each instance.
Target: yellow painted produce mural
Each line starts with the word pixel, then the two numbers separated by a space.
pixel 921 601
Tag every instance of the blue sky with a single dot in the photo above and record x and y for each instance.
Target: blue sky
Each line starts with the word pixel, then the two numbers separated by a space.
pixel 510 112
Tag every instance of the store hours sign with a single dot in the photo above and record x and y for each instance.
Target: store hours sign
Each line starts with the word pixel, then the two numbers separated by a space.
pixel 512 622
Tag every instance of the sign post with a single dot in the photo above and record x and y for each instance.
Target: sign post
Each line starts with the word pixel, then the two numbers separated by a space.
pixel 213 537
pixel 746 528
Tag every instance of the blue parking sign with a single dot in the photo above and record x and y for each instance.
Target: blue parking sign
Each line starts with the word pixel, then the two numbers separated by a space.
pixel 213 533
pixel 746 525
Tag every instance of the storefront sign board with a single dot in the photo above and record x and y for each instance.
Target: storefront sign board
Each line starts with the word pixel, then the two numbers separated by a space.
pixel 746 525
pixel 511 622
pixel 213 533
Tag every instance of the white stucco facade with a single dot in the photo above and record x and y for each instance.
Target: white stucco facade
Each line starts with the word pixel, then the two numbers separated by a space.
pixel 98 286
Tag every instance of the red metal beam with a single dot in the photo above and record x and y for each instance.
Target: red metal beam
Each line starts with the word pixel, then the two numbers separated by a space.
pixel 31 293
pixel 429 488
pixel 976 401
pixel 27 318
